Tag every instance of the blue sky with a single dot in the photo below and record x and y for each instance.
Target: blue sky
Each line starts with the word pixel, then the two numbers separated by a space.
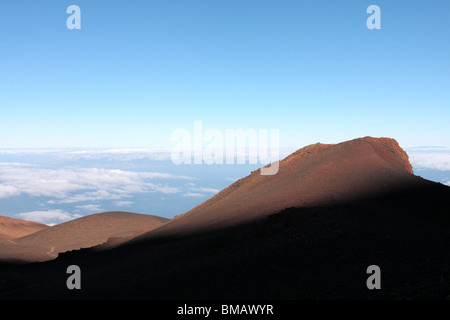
pixel 75 104
pixel 138 70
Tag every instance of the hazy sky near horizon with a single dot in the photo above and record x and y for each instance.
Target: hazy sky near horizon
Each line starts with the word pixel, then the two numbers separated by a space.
pixel 138 70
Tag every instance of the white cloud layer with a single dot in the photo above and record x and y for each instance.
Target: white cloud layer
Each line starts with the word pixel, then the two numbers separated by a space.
pixel 205 189
pixel 124 203
pixel 199 192
pixel 80 184
pixel 252 155
pixel 437 159
pixel 8 191
pixel 194 195
pixel 50 217
pixel 90 208
pixel 160 154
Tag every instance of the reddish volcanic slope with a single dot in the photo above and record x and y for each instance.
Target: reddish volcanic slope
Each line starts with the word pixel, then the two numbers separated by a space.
pixel 80 233
pixel 318 174
pixel 11 228
pixel 308 232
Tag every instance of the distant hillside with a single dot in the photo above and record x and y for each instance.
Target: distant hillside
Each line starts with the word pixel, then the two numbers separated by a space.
pixel 84 232
pixel 11 228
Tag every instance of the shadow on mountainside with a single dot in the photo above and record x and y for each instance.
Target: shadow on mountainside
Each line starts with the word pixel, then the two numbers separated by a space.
pixel 299 253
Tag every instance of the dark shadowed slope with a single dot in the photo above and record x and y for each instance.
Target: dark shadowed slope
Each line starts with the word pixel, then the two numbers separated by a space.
pixel 11 228
pixel 310 232
pixel 84 232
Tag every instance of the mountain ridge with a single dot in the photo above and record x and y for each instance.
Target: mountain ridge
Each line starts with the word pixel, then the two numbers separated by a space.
pixel 313 175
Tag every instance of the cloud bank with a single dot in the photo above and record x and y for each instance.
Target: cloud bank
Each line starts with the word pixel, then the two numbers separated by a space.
pixel 73 185
pixel 430 158
pixel 49 217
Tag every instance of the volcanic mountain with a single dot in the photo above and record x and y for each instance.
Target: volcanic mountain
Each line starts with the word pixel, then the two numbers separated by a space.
pixel 317 175
pixel 84 232
pixel 309 231
pixel 15 228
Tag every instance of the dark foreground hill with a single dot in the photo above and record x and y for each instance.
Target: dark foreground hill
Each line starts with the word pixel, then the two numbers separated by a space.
pixel 310 232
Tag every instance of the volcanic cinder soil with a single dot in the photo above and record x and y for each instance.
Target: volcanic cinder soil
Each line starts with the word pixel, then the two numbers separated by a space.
pixel 308 232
